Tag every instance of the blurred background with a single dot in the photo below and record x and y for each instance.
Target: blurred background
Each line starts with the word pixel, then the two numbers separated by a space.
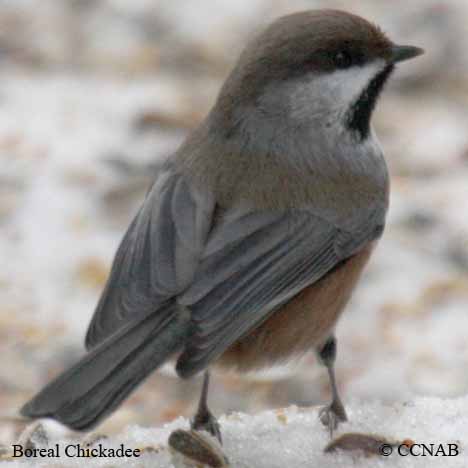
pixel 94 92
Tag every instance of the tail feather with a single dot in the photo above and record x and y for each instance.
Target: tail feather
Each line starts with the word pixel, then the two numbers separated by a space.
pixel 94 387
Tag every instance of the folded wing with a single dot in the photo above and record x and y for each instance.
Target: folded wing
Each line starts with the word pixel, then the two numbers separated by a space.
pixel 253 263
pixel 157 257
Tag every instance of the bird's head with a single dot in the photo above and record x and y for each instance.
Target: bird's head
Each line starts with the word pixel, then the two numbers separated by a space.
pixel 322 66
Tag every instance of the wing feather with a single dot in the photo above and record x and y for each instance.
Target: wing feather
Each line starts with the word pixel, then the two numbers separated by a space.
pixel 237 287
pixel 157 257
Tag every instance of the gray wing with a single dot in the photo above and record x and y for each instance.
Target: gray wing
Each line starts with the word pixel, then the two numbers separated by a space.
pixel 253 263
pixel 157 257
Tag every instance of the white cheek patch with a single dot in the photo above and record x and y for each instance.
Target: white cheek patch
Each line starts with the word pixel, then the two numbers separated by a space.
pixel 346 85
pixel 329 92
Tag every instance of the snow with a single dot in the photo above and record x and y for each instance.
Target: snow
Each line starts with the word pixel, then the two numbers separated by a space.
pixel 294 437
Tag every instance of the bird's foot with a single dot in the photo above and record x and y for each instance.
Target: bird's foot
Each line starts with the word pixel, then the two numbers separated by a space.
pixel 205 421
pixel 332 415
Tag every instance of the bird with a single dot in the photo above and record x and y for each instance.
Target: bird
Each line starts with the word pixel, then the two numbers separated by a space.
pixel 255 231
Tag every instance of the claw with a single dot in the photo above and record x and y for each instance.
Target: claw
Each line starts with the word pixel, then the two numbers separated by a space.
pixel 207 422
pixel 332 415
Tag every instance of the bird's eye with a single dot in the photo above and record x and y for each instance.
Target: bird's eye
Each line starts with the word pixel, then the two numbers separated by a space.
pixel 342 59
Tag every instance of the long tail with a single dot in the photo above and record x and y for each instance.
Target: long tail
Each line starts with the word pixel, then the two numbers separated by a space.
pixel 95 386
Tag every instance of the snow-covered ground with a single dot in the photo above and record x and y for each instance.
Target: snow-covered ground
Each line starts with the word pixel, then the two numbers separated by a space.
pixel 293 437
pixel 93 93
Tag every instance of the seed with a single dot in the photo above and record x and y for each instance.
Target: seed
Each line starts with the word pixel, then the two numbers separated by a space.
pixel 194 448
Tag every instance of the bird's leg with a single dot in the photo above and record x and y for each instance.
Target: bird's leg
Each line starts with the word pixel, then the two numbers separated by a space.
pixel 203 419
pixel 334 413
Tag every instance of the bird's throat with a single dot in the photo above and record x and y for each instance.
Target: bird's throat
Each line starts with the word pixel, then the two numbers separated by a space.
pixel 360 112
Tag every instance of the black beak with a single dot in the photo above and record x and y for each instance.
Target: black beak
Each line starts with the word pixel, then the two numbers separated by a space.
pixel 404 52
